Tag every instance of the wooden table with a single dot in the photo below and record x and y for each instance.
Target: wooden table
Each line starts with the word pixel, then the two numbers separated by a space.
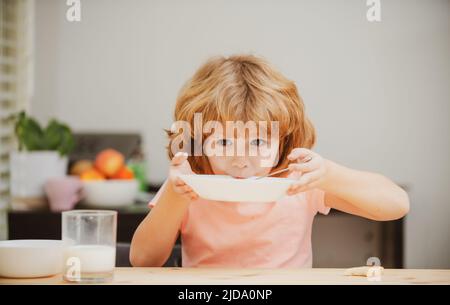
pixel 211 276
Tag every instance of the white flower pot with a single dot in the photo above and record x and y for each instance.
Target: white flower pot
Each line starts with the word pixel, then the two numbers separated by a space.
pixel 28 173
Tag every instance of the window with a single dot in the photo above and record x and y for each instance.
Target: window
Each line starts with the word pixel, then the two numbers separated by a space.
pixel 16 64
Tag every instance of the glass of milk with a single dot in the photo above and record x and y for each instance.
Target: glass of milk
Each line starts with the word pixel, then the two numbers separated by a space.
pixel 89 238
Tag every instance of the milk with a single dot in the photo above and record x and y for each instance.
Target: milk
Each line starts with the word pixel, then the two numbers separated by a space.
pixel 93 258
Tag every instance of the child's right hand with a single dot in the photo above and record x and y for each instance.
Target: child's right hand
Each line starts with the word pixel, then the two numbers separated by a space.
pixel 180 165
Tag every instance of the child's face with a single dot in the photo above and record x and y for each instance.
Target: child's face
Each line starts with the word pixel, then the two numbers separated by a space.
pixel 242 156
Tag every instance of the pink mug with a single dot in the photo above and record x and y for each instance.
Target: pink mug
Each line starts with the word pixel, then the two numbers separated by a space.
pixel 63 193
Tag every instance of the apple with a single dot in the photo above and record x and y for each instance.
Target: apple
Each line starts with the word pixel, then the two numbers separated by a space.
pixel 124 173
pixel 109 162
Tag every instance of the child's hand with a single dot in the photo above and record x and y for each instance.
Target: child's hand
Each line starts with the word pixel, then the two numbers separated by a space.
pixel 310 173
pixel 180 165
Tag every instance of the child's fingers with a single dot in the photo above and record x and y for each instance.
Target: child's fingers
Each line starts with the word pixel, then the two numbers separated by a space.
pixel 179 158
pixel 193 196
pixel 299 153
pixel 186 189
pixel 190 194
pixel 308 178
pixel 303 167
pixel 179 182
pixel 297 189
pixel 303 182
pixel 182 188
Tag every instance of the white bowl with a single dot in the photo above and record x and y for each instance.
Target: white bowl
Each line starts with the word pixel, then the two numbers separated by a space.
pixel 226 188
pixel 29 258
pixel 110 193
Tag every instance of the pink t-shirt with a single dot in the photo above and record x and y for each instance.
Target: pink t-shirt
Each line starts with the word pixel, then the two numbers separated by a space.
pixel 250 235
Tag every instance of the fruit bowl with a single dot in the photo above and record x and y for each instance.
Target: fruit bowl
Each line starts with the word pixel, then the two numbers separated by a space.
pixel 110 193
pixel 226 188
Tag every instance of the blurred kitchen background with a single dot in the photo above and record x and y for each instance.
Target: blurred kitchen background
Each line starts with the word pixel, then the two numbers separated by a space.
pixel 377 92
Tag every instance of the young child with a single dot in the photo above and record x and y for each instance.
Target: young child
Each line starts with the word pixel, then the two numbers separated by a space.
pixel 243 234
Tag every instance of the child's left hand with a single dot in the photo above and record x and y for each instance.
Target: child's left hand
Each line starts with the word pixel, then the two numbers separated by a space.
pixel 311 173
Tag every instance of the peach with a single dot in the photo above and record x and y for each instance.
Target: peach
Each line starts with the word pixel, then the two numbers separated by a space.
pixel 81 166
pixel 124 173
pixel 91 174
pixel 109 162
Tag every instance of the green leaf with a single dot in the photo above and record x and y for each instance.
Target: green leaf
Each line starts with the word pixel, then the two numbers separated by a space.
pixel 59 137
pixel 29 133
pixel 56 136
pixel 53 135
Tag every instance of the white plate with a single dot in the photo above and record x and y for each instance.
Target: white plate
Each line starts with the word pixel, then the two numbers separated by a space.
pixel 226 188
pixel 29 258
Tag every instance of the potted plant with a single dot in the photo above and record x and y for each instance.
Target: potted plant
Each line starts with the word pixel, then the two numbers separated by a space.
pixel 42 154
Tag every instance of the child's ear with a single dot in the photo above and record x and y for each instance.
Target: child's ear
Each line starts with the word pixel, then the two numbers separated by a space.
pixel 170 135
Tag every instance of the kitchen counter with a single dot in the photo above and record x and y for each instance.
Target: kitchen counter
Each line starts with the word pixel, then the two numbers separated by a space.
pixel 211 276
pixel 338 239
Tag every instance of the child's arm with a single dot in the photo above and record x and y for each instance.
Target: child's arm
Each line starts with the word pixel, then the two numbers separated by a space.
pixel 361 193
pixel 153 240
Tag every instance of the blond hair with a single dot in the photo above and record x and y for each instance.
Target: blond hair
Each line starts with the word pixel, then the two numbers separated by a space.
pixel 243 88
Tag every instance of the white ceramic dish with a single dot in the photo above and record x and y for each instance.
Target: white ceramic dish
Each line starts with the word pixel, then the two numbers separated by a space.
pixel 110 193
pixel 30 258
pixel 226 188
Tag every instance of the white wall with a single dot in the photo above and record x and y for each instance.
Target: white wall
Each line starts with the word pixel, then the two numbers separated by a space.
pixel 378 93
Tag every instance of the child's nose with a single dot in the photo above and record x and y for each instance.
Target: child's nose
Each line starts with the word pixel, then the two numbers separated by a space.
pixel 239 162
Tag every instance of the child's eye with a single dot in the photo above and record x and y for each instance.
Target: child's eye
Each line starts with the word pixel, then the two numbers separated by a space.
pixel 224 142
pixel 258 142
